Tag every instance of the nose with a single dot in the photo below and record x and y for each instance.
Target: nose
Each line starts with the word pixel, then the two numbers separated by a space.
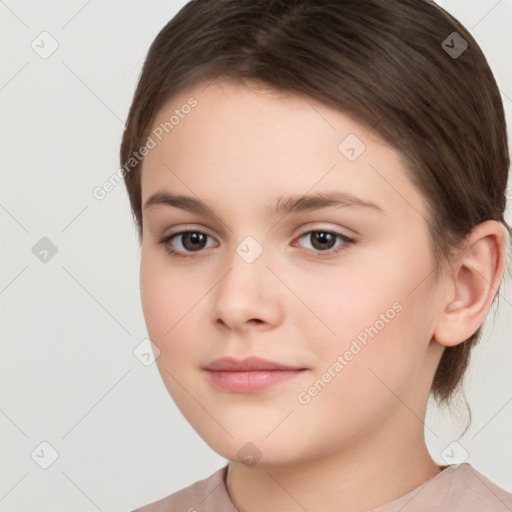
pixel 247 296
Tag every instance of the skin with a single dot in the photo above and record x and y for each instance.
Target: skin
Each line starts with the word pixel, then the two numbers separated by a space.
pixel 359 443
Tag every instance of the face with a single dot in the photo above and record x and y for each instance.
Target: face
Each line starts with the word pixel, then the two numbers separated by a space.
pixel 338 284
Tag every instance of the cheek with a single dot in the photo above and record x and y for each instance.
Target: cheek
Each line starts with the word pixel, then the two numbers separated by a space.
pixel 157 298
pixel 168 308
pixel 377 319
pixel 167 299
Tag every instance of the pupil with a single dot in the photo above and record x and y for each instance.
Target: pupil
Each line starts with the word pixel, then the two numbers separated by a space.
pixel 323 238
pixel 193 238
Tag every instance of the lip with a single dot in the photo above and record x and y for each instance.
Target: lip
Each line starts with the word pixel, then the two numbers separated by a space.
pixel 249 375
pixel 248 364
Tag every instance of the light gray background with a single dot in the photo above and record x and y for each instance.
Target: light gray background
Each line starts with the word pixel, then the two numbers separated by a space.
pixel 69 326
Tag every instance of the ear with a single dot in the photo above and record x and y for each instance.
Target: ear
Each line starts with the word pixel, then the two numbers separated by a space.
pixel 473 284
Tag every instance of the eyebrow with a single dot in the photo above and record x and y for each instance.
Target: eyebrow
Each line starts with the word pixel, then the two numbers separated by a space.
pixel 283 206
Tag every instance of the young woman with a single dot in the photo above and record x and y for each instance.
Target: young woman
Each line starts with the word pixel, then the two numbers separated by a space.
pixel 319 188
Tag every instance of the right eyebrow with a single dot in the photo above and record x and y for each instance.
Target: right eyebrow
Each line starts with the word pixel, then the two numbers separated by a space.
pixel 177 201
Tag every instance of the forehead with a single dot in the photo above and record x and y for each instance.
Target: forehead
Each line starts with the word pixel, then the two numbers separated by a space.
pixel 251 139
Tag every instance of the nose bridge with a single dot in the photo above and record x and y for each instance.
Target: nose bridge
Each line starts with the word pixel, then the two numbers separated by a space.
pixel 245 292
pixel 247 266
pixel 249 250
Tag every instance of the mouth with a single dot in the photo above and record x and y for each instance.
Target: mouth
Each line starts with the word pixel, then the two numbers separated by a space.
pixel 250 375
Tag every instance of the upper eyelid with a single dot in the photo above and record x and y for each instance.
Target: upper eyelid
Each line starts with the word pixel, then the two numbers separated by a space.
pixel 301 234
pixel 185 229
pixel 182 231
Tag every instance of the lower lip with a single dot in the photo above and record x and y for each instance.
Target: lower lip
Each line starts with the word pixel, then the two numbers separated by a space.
pixel 250 382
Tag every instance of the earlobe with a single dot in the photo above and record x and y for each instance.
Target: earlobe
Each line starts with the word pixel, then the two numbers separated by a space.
pixel 478 272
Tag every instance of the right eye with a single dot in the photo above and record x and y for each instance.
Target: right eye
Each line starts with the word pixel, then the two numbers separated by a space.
pixel 190 241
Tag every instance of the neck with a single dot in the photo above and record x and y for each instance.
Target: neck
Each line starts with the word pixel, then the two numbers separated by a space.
pixel 354 479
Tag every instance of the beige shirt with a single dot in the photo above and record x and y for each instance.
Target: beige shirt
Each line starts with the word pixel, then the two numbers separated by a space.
pixel 458 488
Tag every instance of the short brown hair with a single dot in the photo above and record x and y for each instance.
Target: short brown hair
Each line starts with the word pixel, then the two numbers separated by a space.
pixel 400 67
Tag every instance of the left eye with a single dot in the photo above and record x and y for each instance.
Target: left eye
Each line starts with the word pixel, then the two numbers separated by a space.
pixel 323 240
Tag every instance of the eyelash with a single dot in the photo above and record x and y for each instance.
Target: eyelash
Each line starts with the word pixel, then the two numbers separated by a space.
pixel 174 253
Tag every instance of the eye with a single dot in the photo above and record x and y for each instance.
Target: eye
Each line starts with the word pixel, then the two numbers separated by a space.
pixel 185 243
pixel 190 241
pixel 322 241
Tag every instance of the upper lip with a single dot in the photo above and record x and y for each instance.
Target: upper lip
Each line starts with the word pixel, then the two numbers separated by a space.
pixel 246 365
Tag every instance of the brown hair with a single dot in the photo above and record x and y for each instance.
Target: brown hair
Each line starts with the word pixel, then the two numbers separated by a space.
pixel 393 65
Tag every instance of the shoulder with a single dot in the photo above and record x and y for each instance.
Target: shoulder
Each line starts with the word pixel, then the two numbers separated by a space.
pixel 209 494
pixel 470 490
pixel 458 488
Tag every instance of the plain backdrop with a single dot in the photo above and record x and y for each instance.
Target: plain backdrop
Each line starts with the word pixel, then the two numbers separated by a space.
pixel 73 395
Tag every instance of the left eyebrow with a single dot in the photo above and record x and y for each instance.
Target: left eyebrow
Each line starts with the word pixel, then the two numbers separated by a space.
pixel 305 203
pixel 283 206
